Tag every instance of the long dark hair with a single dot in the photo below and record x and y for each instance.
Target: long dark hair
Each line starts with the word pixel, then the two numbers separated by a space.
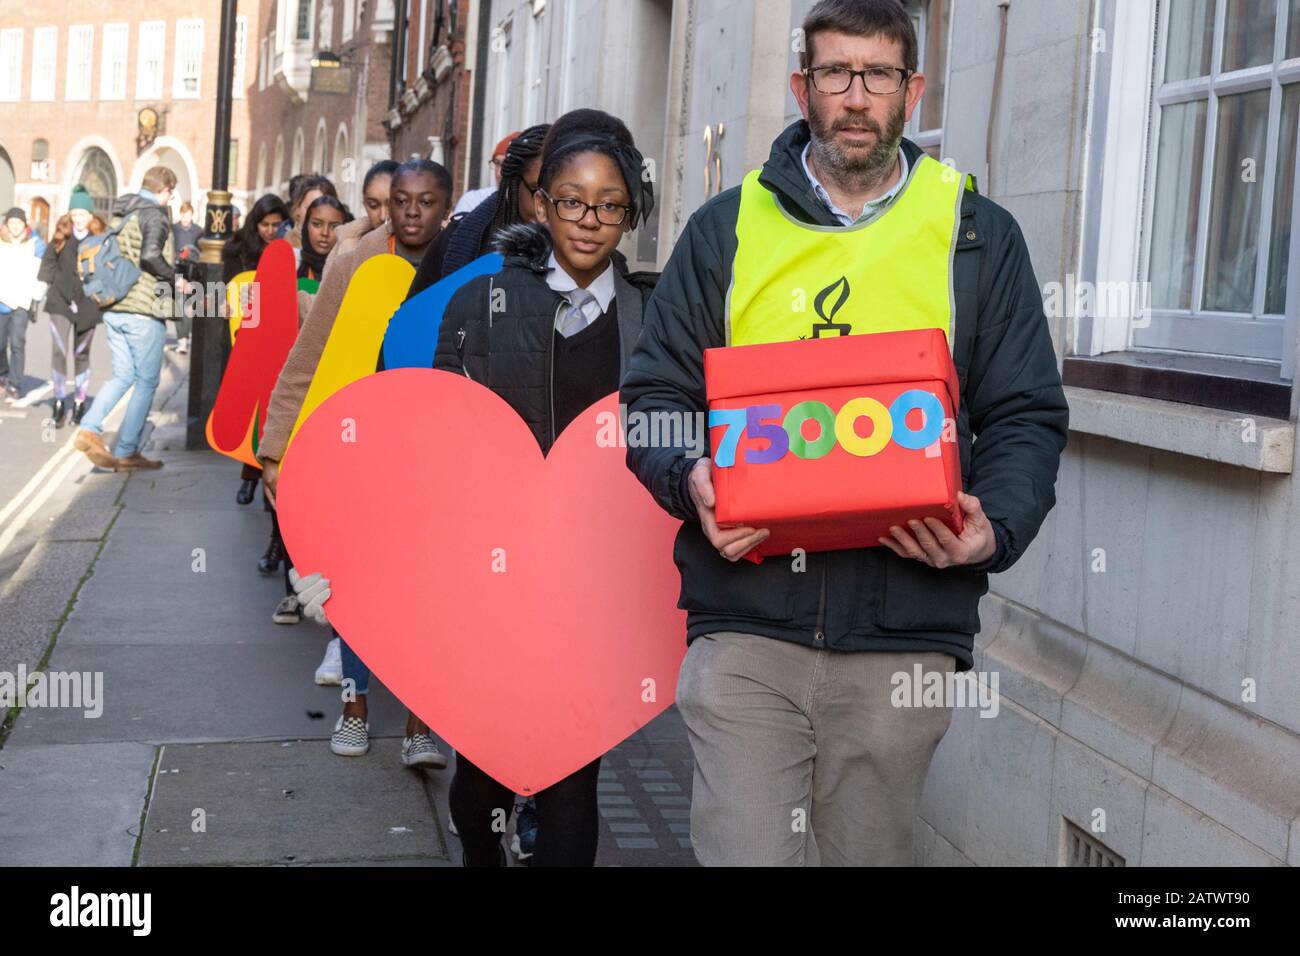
pixel 310 258
pixel 246 245
pixel 306 184
pixel 385 167
pixel 523 149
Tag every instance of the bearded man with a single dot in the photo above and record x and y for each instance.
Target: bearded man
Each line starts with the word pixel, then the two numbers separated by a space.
pixel 785 689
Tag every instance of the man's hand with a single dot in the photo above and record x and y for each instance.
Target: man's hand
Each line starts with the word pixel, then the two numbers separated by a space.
pixel 270 477
pixel 731 543
pixel 932 543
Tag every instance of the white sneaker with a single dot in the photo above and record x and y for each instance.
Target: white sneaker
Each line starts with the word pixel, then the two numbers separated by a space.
pixel 183 346
pixel 351 737
pixel 330 672
pixel 419 750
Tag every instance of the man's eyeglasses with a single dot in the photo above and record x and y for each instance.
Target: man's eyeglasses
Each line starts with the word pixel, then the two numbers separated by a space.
pixel 878 80
pixel 575 210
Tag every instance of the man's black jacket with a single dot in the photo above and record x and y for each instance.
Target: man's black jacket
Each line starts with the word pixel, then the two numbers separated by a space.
pixel 1011 426
pixel 155 229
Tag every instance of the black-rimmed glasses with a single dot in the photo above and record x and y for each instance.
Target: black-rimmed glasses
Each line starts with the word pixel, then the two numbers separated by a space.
pixel 575 210
pixel 878 80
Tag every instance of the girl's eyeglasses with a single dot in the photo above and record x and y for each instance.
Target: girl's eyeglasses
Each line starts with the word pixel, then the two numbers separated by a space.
pixel 575 210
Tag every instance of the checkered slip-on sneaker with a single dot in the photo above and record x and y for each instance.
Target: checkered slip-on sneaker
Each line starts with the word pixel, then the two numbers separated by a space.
pixel 288 611
pixel 351 737
pixel 419 750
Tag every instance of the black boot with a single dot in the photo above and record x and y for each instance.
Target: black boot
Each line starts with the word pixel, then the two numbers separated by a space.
pixel 247 489
pixel 78 411
pixel 270 562
pixel 60 415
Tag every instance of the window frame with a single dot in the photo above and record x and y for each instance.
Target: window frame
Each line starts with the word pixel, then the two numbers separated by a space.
pixel 38 92
pixel 76 94
pixel 120 57
pixel 1130 99
pixel 240 69
pixel 304 21
pixel 12 70
pixel 930 138
pixel 1257 336
pixel 147 45
pixel 179 72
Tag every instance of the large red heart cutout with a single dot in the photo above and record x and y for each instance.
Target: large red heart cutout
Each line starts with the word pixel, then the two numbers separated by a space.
pixel 524 607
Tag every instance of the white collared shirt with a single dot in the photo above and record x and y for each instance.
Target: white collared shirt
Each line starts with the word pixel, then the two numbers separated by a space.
pixel 602 287
pixel 871 207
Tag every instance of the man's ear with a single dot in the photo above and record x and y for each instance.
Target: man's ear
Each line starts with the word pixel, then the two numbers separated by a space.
pixel 799 88
pixel 915 90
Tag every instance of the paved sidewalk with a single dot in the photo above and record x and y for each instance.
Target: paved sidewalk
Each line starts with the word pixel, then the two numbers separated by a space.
pixel 212 744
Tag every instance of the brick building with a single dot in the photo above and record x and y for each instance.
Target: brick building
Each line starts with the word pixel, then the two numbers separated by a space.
pixel 312 116
pixel 79 85
pixel 324 118
pixel 428 108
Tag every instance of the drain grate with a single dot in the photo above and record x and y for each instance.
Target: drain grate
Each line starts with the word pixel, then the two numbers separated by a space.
pixel 1084 849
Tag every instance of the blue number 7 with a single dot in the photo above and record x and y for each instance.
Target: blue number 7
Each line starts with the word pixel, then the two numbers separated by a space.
pixel 724 456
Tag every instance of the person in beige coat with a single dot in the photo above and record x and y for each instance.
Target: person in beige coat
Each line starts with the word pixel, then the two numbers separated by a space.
pixel 417 206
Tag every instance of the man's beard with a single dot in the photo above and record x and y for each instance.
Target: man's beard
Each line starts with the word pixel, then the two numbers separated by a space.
pixel 856 168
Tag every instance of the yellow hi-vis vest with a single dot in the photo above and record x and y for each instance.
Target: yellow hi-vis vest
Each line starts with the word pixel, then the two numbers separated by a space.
pixel 792 280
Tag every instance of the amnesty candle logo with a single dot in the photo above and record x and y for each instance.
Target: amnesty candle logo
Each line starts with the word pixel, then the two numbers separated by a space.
pixel 828 326
pixel 103 909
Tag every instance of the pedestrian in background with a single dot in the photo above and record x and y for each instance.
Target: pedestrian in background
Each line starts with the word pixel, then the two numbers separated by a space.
pixel 319 236
pixel 185 242
pixel 374 199
pixel 135 324
pixel 473 197
pixel 20 260
pixel 241 254
pixel 73 315
pixel 419 197
pixel 469 235
pixel 259 230
pixel 303 191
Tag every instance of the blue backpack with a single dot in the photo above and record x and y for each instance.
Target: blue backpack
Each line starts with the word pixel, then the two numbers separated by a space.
pixel 107 275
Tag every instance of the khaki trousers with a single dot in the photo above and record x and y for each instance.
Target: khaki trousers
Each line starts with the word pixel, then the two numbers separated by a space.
pixel 800 758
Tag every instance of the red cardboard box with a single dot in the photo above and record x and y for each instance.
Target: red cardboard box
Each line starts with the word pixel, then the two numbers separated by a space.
pixel 829 441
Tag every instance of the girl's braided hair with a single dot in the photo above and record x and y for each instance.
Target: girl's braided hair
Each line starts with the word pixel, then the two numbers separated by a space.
pixel 523 149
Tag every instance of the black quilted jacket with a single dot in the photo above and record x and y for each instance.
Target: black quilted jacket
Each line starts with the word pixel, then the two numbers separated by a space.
pixel 510 348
